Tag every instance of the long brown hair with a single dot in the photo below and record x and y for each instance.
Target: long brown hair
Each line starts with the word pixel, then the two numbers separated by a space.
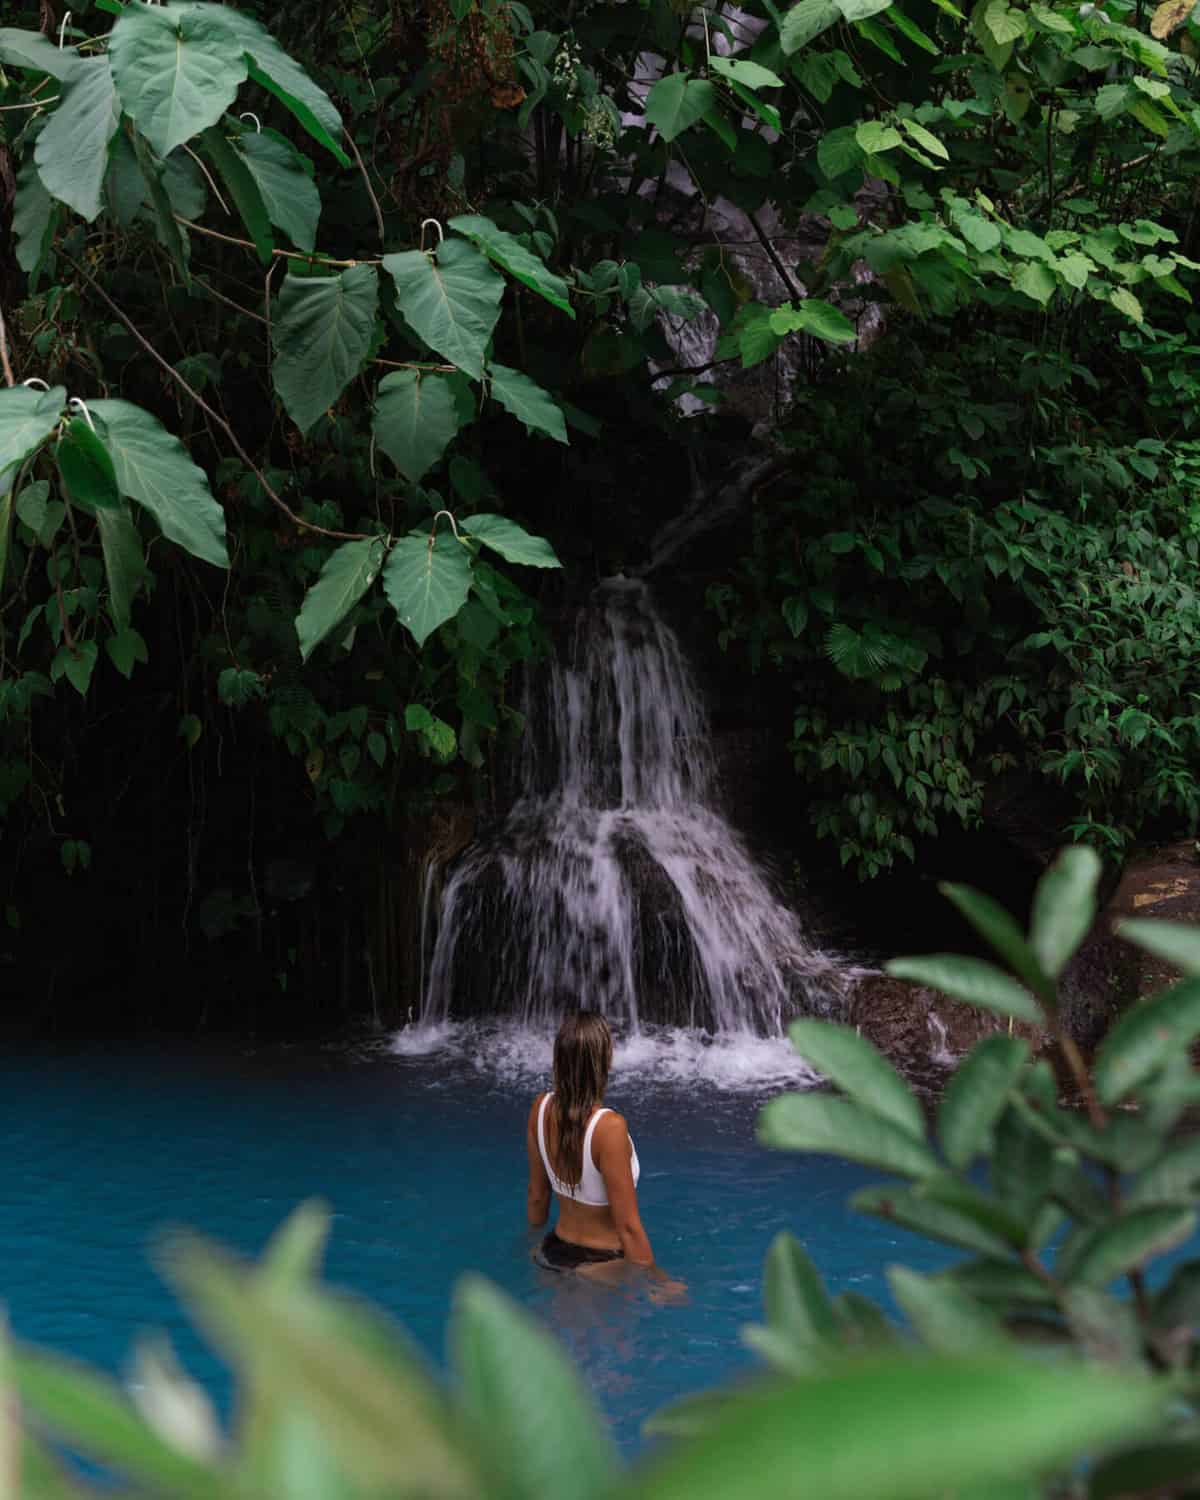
pixel 582 1057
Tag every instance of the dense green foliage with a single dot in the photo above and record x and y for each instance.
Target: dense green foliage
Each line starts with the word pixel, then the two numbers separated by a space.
pixel 1071 1215
pixel 339 309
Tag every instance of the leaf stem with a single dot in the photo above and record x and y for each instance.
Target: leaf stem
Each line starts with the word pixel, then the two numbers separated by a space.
pixel 313 260
pixel 275 499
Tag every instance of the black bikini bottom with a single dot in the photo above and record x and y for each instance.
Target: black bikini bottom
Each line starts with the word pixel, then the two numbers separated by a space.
pixel 562 1255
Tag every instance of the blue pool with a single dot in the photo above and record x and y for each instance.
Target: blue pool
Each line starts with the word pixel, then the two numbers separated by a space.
pixel 420 1154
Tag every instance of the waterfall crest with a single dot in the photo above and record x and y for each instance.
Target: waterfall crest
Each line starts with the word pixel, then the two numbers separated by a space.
pixel 615 882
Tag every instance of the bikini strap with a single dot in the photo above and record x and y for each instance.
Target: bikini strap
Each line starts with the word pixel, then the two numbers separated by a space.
pixel 590 1132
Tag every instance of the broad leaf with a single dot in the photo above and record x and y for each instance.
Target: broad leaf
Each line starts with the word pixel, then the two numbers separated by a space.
pixel 1177 942
pixel 1172 1179
pixel 154 468
pixel 38 54
pixel 347 574
pixel 859 1070
pixel 280 75
pixel 292 199
pixel 1036 280
pixel 750 75
pixel 971 980
pixel 124 563
pixel 86 468
pixel 125 649
pixel 416 417
pixel 1126 1243
pixel 242 188
pixel 452 302
pixel 540 1435
pixel 34 219
pixel 805 21
pixel 427 579
pixel 994 923
pixel 932 1219
pixel 677 101
pixel 995 1419
pixel 6 510
pixel 76 664
pixel 512 542
pixel 155 176
pixel 528 402
pixel 177 69
pixel 507 251
pixel 976 1095
pixel 91 1415
pixel 323 331
pixel 840 1127
pixel 27 418
pixel 795 1301
pixel 945 1315
pixel 1170 15
pixel 820 320
pixel 72 151
pixel 1144 1038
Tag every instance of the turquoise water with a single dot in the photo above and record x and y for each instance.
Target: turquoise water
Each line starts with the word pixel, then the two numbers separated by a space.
pixel 421 1158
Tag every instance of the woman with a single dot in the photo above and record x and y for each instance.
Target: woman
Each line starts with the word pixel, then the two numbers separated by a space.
pixel 583 1153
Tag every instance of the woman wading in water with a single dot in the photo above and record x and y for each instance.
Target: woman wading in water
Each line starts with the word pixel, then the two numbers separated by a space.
pixel 582 1152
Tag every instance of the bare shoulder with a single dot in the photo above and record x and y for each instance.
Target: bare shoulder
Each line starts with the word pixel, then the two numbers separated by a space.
pixel 533 1111
pixel 611 1127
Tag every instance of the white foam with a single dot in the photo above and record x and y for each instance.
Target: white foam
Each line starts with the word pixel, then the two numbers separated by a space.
pixel 510 1052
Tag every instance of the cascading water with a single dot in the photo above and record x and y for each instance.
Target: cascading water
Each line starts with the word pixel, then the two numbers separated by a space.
pixel 614 881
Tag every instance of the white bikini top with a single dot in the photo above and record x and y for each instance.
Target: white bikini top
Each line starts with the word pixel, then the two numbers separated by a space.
pixel 591 1189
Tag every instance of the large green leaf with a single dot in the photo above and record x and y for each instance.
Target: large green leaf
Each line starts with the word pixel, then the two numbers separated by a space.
pixel 805 21
pixel 154 468
pixel 750 75
pixel 1144 1038
pixel 416 417
pixel 90 1414
pixel 27 418
pixel 859 1070
pixel 1127 1243
pixel 512 542
pixel 994 923
pixel 794 1297
pixel 243 189
pixel 177 69
pixel 427 579
pixel 1172 1179
pixel 932 1219
pixel 677 101
pixel 528 402
pixel 971 980
pixel 347 574
pixel 292 199
pixel 937 1426
pixel 840 1127
pixel 541 1434
pixel 323 331
pixel 282 76
pixel 35 216
pixel 72 151
pixel 6 510
pixel 451 301
pixel 86 468
pixel 1064 908
pixel 976 1094
pixel 156 175
pixel 1177 942
pixel 37 53
pixel 507 251
pixel 945 1315
pixel 124 562
pixel 820 320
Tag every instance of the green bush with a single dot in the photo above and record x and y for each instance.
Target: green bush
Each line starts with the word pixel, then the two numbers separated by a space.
pixel 969 1401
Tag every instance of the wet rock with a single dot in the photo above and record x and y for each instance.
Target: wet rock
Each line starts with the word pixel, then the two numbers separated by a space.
pixel 1108 974
pixel 922 1032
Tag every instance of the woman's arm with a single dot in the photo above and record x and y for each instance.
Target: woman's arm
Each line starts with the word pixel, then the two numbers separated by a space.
pixel 537 1197
pixel 611 1152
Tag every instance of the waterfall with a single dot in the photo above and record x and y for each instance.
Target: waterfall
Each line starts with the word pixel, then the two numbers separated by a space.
pixel 614 881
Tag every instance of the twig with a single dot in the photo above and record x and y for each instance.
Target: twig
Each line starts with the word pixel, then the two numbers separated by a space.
pixel 362 167
pixel 775 261
pixel 208 177
pixel 313 260
pixel 9 379
pixel 31 104
pixel 228 301
pixel 275 499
